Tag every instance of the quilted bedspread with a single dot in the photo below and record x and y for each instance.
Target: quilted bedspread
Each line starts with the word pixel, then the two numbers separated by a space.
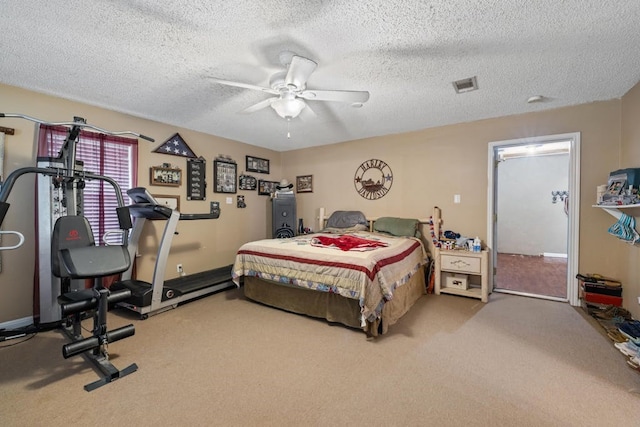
pixel 369 276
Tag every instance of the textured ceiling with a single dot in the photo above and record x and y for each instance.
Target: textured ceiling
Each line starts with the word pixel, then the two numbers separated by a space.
pixel 155 59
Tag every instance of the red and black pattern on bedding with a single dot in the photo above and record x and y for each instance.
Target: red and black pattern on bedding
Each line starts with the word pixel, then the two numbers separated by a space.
pixel 347 242
pixel 370 277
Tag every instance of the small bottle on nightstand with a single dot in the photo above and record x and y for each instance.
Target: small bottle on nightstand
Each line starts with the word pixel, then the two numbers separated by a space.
pixel 477 245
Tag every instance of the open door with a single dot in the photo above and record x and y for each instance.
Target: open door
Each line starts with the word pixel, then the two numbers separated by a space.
pixel 533 203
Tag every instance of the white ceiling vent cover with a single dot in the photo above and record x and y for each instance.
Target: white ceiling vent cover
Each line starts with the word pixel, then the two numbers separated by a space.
pixel 465 85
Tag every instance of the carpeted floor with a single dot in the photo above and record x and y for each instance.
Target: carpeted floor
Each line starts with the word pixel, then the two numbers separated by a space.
pixel 224 360
pixel 536 275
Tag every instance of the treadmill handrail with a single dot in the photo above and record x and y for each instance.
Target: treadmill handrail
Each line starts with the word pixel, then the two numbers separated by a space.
pixel 17 245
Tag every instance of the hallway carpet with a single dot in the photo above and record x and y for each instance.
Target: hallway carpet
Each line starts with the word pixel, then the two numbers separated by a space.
pixel 536 275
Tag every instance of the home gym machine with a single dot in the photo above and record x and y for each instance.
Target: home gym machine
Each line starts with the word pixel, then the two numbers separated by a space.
pixel 148 298
pixel 73 255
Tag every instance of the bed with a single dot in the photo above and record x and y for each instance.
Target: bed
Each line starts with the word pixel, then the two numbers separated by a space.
pixel 361 274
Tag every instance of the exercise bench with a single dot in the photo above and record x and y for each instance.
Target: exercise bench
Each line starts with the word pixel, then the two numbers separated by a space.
pixel 74 255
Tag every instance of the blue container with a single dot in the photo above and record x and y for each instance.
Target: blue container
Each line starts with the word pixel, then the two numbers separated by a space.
pixel 632 174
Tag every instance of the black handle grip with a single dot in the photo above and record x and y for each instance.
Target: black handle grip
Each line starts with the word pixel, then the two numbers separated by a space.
pixel 78 306
pixel 4 207
pixel 77 347
pixel 90 343
pixel 119 295
pixel 1 114
pixel 147 138
pixel 121 333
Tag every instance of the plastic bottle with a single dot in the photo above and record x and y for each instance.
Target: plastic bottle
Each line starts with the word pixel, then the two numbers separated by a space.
pixel 477 245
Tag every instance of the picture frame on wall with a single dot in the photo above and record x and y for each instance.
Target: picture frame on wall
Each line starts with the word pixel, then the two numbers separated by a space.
pixel 169 200
pixel 256 164
pixel 247 182
pixel 304 184
pixel 196 179
pixel 165 176
pixel 266 188
pixel 225 176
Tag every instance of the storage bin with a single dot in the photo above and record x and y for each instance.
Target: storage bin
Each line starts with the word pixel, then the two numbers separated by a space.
pixel 456 280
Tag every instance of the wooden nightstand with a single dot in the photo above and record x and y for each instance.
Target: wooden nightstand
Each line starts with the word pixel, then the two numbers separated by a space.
pixel 474 264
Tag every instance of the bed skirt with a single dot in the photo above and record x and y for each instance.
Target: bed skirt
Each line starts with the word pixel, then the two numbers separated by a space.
pixel 334 307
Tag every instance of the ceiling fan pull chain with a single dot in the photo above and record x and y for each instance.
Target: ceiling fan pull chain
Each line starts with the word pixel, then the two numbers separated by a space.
pixel 288 125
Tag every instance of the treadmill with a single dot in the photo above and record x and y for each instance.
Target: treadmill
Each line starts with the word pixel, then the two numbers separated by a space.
pixel 152 298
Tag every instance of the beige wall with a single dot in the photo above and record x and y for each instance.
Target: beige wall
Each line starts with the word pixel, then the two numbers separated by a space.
pixel 630 158
pixel 429 167
pixel 200 245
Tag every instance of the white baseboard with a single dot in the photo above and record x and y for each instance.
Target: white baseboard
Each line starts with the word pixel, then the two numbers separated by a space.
pixel 553 255
pixel 17 323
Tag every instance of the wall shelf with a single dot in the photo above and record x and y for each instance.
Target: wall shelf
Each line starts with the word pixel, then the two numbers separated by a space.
pixel 618 210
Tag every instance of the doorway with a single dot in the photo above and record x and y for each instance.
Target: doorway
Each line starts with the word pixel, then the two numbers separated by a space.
pixel 533 216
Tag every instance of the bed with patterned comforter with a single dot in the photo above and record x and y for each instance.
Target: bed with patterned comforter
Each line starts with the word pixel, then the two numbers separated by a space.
pixel 366 267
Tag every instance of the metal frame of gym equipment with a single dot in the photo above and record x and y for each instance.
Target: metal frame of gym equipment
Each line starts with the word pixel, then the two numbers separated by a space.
pixel 66 176
pixel 149 298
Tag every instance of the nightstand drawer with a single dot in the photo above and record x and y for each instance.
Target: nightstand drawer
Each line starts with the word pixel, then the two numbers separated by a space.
pixel 460 263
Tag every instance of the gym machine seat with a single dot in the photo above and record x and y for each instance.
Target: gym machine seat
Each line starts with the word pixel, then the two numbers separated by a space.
pixel 74 255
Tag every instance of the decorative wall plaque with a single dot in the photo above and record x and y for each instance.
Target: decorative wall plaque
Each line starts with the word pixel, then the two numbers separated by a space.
pixel 247 182
pixel 224 177
pixel 196 179
pixel 175 146
pixel 373 179
pixel 256 164
pixel 266 188
pixel 169 177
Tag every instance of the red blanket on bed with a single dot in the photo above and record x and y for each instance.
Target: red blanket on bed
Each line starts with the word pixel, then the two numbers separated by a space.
pixel 347 243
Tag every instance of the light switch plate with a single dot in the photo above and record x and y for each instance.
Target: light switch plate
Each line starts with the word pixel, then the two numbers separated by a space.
pixel 229 200
pixel 456 198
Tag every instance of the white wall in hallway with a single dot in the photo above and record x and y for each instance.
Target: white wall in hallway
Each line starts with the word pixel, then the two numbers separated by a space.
pixel 528 222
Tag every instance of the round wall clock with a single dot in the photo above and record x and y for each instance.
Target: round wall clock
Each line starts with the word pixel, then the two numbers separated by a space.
pixel 373 179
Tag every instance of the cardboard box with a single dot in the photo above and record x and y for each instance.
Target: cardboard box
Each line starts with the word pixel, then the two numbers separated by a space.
pixel 457 281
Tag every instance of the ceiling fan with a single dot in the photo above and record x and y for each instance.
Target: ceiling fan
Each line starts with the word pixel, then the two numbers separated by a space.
pixel 290 88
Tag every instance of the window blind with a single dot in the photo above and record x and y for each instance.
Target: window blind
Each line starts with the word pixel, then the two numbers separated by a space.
pixel 112 156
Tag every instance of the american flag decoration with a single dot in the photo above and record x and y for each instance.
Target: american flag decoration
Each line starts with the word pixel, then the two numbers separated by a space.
pixel 176 146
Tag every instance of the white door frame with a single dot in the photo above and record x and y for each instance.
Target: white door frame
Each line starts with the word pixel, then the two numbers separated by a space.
pixel 573 232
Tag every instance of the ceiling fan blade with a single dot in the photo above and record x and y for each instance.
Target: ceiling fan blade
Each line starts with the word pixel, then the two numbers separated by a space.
pixel 245 86
pixel 349 96
pixel 259 106
pixel 299 71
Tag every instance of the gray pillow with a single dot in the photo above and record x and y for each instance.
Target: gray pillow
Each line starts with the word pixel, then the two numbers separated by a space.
pixel 346 219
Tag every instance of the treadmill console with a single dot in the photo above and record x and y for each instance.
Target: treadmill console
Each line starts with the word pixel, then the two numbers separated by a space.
pixel 146 206
pixel 141 195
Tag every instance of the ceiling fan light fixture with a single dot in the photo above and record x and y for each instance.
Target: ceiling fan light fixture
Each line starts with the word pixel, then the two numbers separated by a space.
pixel 288 108
pixel 289 88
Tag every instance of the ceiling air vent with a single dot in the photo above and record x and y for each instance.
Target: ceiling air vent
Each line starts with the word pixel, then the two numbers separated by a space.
pixel 465 85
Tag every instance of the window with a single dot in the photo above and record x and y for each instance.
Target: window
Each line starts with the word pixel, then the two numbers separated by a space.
pixel 112 156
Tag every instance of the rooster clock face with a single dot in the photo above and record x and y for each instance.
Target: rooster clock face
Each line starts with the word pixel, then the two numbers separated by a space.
pixel 373 179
